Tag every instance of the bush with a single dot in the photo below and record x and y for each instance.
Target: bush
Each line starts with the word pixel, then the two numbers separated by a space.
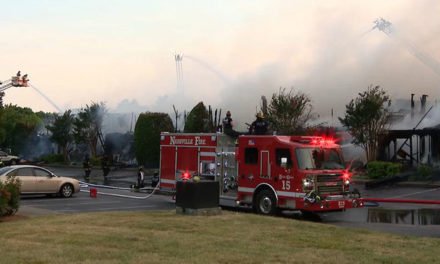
pixel 382 169
pixel 53 158
pixel 424 173
pixel 9 196
pixel 147 137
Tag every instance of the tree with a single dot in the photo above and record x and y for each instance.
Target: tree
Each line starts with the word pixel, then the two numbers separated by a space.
pixel 62 131
pixel 366 117
pixel 288 112
pixel 88 125
pixel 147 137
pixel 197 120
pixel 16 125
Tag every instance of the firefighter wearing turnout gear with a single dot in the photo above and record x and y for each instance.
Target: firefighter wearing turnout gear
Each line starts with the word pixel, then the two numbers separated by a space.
pixel 259 126
pixel 140 179
pixel 227 126
pixel 105 165
pixel 87 168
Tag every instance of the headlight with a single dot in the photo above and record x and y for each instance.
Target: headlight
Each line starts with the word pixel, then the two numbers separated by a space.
pixel 308 183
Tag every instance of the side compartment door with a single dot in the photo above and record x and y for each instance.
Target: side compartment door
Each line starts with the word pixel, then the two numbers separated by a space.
pixel 207 164
pixel 249 170
pixel 265 164
pixel 187 161
pixel 168 167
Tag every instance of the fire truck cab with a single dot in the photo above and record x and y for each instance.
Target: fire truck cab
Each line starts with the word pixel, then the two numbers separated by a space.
pixel 269 173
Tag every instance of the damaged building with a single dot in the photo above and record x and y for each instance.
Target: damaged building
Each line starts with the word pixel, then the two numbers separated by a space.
pixel 412 146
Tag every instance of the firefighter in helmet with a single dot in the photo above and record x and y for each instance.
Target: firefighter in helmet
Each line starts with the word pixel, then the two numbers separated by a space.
pixel 259 126
pixel 227 126
pixel 105 165
pixel 140 179
pixel 87 168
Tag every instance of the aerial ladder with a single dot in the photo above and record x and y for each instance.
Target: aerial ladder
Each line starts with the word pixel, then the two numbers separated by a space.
pixel 15 81
pixel 388 28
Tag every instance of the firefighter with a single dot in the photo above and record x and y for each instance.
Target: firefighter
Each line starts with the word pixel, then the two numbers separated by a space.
pixel 140 178
pixel 105 165
pixel 259 126
pixel 87 168
pixel 227 126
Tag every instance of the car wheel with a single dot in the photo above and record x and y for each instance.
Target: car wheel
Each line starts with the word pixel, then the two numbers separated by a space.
pixel 13 162
pixel 266 203
pixel 66 190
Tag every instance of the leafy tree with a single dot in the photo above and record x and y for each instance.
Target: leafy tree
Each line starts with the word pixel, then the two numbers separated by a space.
pixel 288 112
pixel 62 131
pixel 147 137
pixel 88 125
pixel 16 125
pixel 366 117
pixel 197 120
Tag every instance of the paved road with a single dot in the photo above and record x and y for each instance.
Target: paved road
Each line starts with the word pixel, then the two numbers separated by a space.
pixel 407 222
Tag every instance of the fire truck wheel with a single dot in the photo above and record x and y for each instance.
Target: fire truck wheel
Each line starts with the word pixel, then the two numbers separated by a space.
pixel 266 203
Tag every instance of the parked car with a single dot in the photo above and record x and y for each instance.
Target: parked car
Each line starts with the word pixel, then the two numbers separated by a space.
pixel 37 180
pixel 7 159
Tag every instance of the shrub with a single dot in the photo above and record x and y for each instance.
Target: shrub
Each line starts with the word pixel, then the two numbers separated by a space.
pixel 9 196
pixel 424 173
pixel 197 120
pixel 147 137
pixel 53 158
pixel 382 169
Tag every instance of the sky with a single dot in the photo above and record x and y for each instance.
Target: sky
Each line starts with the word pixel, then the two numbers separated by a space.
pixel 122 52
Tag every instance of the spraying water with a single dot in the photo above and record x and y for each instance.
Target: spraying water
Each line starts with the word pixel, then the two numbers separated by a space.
pixel 210 68
pixel 47 98
pixel 387 28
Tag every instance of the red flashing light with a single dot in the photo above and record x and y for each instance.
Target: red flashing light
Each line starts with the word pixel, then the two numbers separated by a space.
pixel 346 176
pixel 186 176
pixel 323 141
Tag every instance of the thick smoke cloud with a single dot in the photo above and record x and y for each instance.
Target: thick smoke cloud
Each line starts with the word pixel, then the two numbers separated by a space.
pixel 335 60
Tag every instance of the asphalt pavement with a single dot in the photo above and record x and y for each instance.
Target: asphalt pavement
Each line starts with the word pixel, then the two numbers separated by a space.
pixel 400 218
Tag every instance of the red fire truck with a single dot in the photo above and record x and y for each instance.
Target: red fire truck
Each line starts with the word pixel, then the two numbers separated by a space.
pixel 269 173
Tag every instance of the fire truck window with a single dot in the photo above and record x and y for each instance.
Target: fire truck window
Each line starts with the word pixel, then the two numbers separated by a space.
pixel 309 158
pixel 333 161
pixel 305 158
pixel 283 153
pixel 251 156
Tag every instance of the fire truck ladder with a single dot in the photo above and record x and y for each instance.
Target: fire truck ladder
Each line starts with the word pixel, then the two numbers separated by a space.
pixel 15 81
pixel 388 28
pixel 101 139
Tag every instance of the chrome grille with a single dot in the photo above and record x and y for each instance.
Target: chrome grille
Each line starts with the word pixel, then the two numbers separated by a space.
pixel 329 184
pixel 328 177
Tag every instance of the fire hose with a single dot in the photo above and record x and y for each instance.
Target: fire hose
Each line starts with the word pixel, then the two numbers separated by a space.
pixel 395 200
pixel 398 199
pixel 87 185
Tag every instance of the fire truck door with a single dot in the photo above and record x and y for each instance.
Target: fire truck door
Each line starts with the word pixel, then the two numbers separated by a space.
pixel 264 164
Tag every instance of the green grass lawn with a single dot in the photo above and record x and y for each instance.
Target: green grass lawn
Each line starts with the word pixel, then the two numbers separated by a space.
pixel 164 237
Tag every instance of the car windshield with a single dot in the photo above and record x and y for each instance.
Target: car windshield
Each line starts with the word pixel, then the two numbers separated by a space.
pixel 318 158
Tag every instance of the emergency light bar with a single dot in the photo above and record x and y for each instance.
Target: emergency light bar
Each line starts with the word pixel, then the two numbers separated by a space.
pixel 318 141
